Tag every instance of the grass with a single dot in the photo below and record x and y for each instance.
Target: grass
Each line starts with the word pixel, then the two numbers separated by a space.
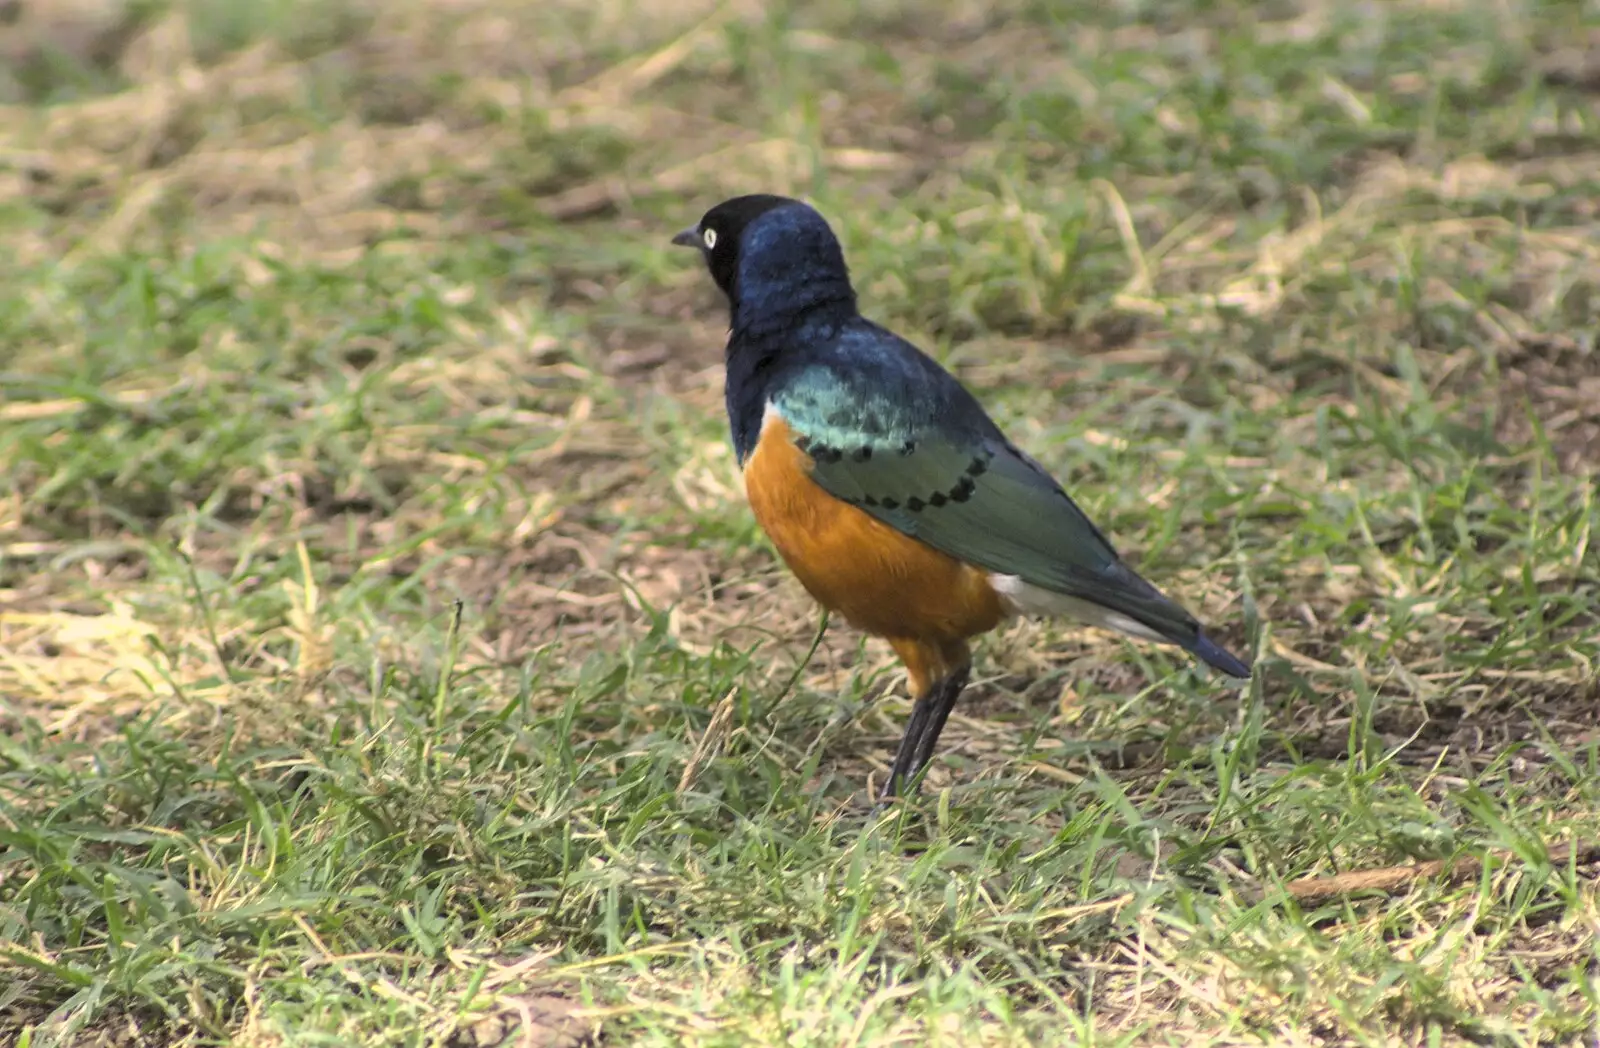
pixel 387 656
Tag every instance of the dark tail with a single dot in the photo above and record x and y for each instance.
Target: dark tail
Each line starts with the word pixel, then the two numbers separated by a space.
pixel 1135 597
pixel 1217 657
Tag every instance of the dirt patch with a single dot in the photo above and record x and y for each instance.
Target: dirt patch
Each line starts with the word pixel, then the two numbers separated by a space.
pixel 1554 380
pixel 534 1020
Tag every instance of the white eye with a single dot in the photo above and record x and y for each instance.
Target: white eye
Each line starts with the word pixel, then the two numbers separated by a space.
pixel 710 239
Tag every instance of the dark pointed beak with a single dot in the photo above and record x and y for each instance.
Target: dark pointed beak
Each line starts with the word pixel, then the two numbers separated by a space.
pixel 688 238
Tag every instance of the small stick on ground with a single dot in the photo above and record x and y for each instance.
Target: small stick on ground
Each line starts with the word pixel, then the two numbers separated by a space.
pixel 1395 879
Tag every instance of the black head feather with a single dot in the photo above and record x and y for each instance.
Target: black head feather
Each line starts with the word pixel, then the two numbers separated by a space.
pixel 720 231
pixel 776 259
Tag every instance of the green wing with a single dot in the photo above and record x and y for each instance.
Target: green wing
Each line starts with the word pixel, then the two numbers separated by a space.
pixel 985 503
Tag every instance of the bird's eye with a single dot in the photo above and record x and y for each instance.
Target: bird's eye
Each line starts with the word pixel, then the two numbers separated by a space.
pixel 710 238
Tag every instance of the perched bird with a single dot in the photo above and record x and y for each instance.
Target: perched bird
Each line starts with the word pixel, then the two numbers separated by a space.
pixel 883 484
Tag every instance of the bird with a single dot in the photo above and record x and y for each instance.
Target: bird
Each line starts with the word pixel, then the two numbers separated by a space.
pixel 886 488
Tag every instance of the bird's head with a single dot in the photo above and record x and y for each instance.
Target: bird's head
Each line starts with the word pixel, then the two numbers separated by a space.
pixel 770 253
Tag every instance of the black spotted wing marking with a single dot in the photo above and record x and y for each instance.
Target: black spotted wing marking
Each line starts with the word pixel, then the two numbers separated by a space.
pixel 984 502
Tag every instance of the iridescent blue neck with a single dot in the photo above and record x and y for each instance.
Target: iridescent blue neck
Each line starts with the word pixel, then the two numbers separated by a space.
pixel 791 273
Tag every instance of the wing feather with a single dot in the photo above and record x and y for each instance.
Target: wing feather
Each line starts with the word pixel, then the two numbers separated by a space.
pixel 983 502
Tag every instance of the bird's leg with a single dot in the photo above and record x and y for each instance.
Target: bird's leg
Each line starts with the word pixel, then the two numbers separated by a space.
pixel 928 716
pixel 901 771
pixel 937 672
pixel 945 693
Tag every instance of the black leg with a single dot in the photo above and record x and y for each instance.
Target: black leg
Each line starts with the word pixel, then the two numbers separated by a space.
pixel 927 719
pixel 946 693
pixel 900 772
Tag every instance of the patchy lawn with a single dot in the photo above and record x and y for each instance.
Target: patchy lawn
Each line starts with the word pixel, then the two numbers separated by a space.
pixel 387 655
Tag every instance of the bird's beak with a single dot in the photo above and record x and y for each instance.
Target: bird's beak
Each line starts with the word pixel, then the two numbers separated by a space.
pixel 688 238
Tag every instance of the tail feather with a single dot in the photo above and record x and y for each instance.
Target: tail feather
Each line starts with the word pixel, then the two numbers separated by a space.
pixel 1216 656
pixel 1140 611
pixel 1167 618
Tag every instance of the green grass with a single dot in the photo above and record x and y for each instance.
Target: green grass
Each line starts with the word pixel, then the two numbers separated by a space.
pixel 387 655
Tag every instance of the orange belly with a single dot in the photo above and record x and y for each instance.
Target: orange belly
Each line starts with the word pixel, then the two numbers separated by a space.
pixel 925 602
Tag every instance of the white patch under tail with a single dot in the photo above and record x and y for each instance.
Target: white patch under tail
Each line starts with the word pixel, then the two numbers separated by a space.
pixel 1024 598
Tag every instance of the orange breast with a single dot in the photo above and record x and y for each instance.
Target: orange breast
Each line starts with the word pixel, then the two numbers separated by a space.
pixel 880 580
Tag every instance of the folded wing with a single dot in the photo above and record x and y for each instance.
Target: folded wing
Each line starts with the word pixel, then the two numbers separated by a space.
pixel 984 502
